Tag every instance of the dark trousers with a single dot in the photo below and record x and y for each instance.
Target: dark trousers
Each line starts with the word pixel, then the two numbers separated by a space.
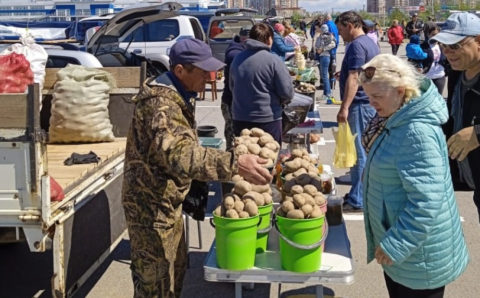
pixel 476 200
pixel 440 83
pixel 396 290
pixel 274 128
pixel 395 49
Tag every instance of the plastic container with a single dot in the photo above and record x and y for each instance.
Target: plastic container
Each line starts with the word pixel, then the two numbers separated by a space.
pixel 207 131
pixel 235 242
pixel 327 185
pixel 211 142
pixel 334 210
pixel 301 243
pixel 265 212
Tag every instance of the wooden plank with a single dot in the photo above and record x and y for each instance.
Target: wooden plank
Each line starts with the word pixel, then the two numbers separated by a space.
pixel 13 113
pixel 67 175
pixel 125 77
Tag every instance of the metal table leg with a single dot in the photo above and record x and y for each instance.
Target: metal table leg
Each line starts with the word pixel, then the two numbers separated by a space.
pixel 319 291
pixel 238 290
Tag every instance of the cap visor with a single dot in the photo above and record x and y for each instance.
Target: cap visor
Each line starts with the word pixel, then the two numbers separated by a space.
pixel 448 38
pixel 211 64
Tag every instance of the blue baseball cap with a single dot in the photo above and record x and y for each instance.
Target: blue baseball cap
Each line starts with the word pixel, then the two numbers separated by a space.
pixel 457 27
pixel 195 52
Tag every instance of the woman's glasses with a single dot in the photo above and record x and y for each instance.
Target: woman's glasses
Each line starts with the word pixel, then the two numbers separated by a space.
pixel 369 72
pixel 455 46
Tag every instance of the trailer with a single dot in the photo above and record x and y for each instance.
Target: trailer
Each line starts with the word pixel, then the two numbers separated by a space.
pixel 88 223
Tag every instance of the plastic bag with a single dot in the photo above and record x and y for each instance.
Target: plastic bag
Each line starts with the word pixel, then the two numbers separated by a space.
pixel 345 155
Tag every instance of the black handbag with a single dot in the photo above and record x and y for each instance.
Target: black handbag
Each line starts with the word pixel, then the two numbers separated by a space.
pixel 195 203
pixel 311 54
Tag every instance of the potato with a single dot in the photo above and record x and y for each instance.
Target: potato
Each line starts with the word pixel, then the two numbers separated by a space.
pixel 218 211
pixel 242 187
pixel 287 198
pixel 253 140
pixel 287 206
pixel 228 202
pixel 261 188
pixel 276 145
pixel 238 206
pixel 305 163
pixel 307 209
pixel 241 149
pixel 295 214
pixel 289 176
pixel 236 197
pixel 310 189
pixel 237 178
pixel 266 153
pixel 257 197
pixel 320 199
pixel 253 148
pixel 270 146
pixel 243 214
pixel 298 200
pixel 251 208
pixel 312 168
pixel 265 139
pixel 287 186
pixel 296 189
pixel 231 213
pixel 245 132
pixel 257 132
pixel 316 212
pixel 297 153
pixel 299 172
pixel 308 199
pixel 267 197
pixel 316 181
pixel 305 152
pixel 293 165
pixel 238 141
pixel 303 179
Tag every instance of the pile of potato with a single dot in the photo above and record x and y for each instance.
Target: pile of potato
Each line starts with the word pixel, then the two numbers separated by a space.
pixel 302 202
pixel 302 188
pixel 258 142
pixel 244 200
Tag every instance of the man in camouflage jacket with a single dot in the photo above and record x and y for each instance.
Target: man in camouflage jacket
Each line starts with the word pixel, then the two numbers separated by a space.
pixel 162 157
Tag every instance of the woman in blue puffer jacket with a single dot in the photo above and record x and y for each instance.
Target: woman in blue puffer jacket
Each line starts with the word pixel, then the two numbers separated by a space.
pixel 412 223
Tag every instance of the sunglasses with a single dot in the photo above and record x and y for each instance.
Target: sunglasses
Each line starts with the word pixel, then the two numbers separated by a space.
pixel 455 46
pixel 369 72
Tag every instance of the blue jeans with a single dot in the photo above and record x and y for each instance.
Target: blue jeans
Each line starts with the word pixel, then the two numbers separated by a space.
pixel 358 117
pixel 323 68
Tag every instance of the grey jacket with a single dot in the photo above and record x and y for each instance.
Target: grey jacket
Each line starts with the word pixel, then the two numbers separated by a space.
pixel 260 84
pixel 326 42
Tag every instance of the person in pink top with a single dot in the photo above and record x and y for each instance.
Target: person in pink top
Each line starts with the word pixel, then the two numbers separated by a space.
pixel 395 36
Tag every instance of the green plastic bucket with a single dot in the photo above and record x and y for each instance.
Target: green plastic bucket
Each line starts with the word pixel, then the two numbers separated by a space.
pixel 264 227
pixel 235 242
pixel 301 243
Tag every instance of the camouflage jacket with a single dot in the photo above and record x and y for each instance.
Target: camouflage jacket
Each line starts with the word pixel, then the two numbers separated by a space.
pixel 163 155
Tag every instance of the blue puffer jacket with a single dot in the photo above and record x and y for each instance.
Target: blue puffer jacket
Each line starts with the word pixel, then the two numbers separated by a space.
pixel 410 208
pixel 279 46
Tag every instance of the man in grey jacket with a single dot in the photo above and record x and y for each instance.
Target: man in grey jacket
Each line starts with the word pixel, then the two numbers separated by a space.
pixel 260 85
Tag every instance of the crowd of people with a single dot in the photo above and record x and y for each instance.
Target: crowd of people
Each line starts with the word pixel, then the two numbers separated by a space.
pixel 413 146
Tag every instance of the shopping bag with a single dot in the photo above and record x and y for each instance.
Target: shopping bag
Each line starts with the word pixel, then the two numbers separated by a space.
pixel 345 153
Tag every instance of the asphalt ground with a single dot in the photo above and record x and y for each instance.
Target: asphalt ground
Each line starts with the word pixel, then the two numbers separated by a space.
pixel 23 274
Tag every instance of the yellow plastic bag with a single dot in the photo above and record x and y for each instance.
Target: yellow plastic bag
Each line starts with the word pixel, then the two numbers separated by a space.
pixel 345 153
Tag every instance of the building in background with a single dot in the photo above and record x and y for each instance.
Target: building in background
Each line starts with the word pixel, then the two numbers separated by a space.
pixel 283 7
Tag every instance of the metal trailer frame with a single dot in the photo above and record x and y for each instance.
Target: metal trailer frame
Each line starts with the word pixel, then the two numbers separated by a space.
pixel 25 197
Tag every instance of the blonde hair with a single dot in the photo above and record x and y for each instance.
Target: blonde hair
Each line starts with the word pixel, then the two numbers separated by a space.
pixel 395 22
pixel 394 72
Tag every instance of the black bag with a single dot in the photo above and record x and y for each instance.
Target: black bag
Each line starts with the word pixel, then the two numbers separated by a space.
pixel 195 203
pixel 311 54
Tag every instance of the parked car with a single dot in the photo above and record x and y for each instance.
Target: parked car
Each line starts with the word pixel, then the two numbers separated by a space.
pixel 144 33
pixel 59 58
pixel 225 25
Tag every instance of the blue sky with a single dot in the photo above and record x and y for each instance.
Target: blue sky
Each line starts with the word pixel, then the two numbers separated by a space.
pixel 327 5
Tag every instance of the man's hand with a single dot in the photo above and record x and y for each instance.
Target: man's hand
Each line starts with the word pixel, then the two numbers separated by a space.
pixel 381 257
pixel 342 115
pixel 319 51
pixel 251 169
pixel 461 143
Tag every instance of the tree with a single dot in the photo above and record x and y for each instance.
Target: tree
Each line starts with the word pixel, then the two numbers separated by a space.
pixel 398 15
pixel 296 18
pixel 365 15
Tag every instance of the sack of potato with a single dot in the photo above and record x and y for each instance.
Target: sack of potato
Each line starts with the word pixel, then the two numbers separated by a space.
pixel 244 200
pixel 258 142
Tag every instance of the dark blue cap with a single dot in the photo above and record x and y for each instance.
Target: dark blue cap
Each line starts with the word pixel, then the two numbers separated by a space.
pixel 196 52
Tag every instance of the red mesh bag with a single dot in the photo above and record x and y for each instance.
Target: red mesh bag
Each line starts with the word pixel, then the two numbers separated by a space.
pixel 56 191
pixel 15 73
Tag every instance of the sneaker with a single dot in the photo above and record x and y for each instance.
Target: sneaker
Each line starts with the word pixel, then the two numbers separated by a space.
pixel 347 208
